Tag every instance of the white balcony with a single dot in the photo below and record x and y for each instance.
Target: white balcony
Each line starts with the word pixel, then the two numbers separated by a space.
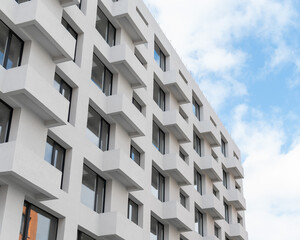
pixel 209 166
pixel 234 166
pixel 122 111
pixel 209 131
pixel 67 3
pixel 236 199
pixel 213 206
pixel 237 232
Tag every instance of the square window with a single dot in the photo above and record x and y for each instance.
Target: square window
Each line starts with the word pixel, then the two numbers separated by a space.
pixel 135 155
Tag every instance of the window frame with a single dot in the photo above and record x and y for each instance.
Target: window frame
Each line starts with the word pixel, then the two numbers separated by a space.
pixel 132 149
pixel 182 199
pixel 198 181
pixel 196 109
pixel 226 212
pixel 79 234
pixel 199 220
pixel 162 57
pixel 161 184
pixel 161 137
pixel 158 227
pixel 107 29
pixel 197 141
pixel 223 147
pixel 9 121
pixel 137 104
pixel 225 179
pixel 133 204
pixel 161 96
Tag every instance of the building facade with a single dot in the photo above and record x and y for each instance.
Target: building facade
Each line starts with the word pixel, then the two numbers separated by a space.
pixel 103 132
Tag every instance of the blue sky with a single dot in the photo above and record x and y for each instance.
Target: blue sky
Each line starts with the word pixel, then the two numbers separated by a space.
pixel 245 55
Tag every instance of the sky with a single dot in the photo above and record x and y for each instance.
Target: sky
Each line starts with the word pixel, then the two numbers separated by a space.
pixel 245 56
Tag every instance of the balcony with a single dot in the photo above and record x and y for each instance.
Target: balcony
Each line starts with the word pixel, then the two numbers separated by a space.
pixel 174 213
pixel 210 237
pixel 177 86
pixel 128 65
pixel 237 232
pixel 126 13
pixel 236 199
pixel 67 3
pixel 234 166
pixel 122 111
pixel 27 87
pixel 213 206
pixel 122 168
pixel 175 123
pixel 177 169
pixel 209 166
pixel 37 20
pixel 208 130
pixel 21 166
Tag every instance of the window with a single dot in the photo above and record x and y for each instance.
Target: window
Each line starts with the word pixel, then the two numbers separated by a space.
pixel 225 181
pixel 83 236
pixel 198 222
pixel 159 57
pixel 11 47
pixel 240 220
pixel 5 120
pixel 64 89
pixel 197 144
pixel 158 185
pixel 196 109
pixel 79 4
pixel 101 76
pixel 22 1
pixel 157 230
pixel 226 208
pixel 55 154
pixel 136 104
pixel 197 181
pixel 98 130
pixel 158 138
pixel 105 28
pixel 135 155
pixel 37 224
pixel 71 31
pixel 159 96
pixel 92 190
pixel 182 199
pixel 133 211
pixel 217 231
pixel 182 155
pixel 223 147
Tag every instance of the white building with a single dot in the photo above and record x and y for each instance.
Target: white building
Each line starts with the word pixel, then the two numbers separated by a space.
pixel 103 132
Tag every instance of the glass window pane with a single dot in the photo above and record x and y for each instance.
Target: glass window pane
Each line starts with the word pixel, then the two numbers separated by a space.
pixel 154 182
pixel 66 90
pixel 108 83
pixel 49 150
pixel 161 193
pixel 88 188
pixel 93 126
pixel 135 155
pixel 162 61
pixel 5 118
pixel 104 142
pixel 157 54
pixel 156 93
pixel 153 229
pixel 111 35
pixel 160 231
pixel 4 31
pixel 102 24
pixel 100 195
pixel 155 136
pixel 98 72
pixel 14 55
pixel 59 157
pixel 57 82
pixel 133 211
pixel 162 142
pixel 136 103
pixel 83 236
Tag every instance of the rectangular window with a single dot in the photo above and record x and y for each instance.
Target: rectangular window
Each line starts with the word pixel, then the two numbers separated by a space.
pixel 198 222
pixel 79 4
pixel 37 224
pixel 92 190
pixel 197 144
pixel 11 47
pixel 196 109
pixel 158 185
pixel 197 181
pixel 83 236
pixel 101 76
pixel 5 121
pixel 64 89
pixel 159 57
pixel 22 1
pixel 71 31
pixel 182 155
pixel 135 155
pixel 98 130
pixel 226 209
pixel 105 28
pixel 223 147
pixel 182 200
pixel 225 181
pixel 158 138
pixel 136 104
pixel 133 211
pixel 217 231
pixel 157 230
pixel 159 96
pixel 55 154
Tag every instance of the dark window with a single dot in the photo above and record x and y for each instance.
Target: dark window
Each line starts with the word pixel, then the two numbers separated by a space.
pixel 159 96
pixel 157 230
pixel 135 155
pixel 182 200
pixel 215 192
pixel 79 4
pixel 216 229
pixel 71 31
pixel 11 47
pixel 159 57
pixel 198 181
pixel 5 121
pixel 158 185
pixel 37 224
pixel 133 211
pixel 64 89
pixel 198 222
pixel 225 181
pixel 158 138
pixel 22 1
pixel 101 76
pixel 196 109
pixel 83 236
pixel 55 154
pixel 239 220
pixel 182 155
pixel 98 130
pixel 136 104
pixel 226 208
pixel 105 28
pixel 197 144
pixel 223 147
pixel 92 190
